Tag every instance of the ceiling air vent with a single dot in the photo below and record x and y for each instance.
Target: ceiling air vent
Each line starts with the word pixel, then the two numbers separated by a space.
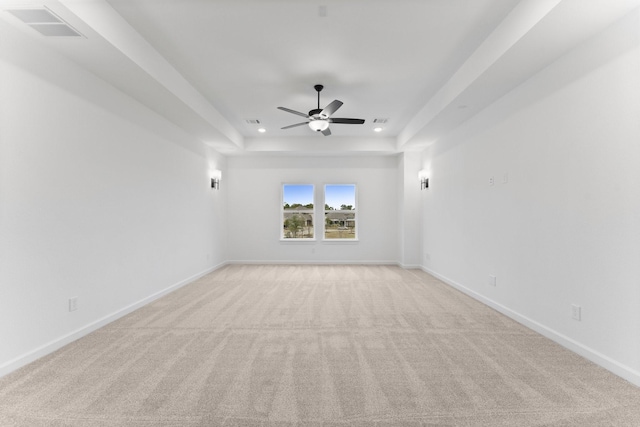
pixel 252 121
pixel 380 120
pixel 45 22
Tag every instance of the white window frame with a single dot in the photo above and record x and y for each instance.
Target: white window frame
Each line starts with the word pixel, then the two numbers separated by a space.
pixel 313 214
pixel 354 211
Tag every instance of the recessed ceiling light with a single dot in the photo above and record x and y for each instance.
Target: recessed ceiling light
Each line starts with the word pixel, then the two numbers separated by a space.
pixel 262 130
pixel 378 129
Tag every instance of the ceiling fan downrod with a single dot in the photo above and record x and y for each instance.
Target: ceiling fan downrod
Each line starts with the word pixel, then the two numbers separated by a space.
pixel 318 89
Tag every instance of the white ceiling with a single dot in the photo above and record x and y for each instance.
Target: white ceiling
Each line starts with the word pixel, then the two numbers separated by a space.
pixel 425 65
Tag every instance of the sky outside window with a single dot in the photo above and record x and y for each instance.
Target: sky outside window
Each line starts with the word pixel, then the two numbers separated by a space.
pixel 338 195
pixel 298 193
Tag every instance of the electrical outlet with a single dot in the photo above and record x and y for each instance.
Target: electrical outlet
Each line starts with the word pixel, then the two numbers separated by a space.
pixel 576 312
pixel 490 180
pixel 492 280
pixel 73 304
pixel 505 178
pixel 427 257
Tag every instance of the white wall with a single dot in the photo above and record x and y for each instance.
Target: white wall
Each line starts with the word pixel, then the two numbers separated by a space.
pixel 565 227
pixel 254 194
pixel 409 210
pixel 100 199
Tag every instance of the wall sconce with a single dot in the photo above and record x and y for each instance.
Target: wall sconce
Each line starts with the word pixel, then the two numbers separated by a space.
pixel 216 176
pixel 424 179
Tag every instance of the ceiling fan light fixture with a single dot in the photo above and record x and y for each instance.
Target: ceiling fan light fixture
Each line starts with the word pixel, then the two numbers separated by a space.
pixel 318 125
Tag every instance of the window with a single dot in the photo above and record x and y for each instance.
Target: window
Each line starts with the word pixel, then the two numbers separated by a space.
pixel 340 211
pixel 297 211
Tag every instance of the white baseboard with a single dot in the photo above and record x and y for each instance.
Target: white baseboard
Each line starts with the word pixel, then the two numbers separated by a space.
pixel 60 342
pixel 588 353
pixel 409 266
pixel 311 262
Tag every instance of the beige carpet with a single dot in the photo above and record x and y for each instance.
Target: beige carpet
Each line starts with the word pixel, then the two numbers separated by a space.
pixel 317 346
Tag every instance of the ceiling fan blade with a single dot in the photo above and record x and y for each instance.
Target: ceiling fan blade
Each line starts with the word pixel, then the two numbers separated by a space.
pixel 347 121
pixel 326 132
pixel 288 110
pixel 297 124
pixel 330 109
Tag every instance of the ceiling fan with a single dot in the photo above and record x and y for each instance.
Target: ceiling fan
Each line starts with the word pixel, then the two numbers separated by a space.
pixel 319 119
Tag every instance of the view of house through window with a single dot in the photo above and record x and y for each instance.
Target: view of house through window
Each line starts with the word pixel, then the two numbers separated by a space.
pixel 340 211
pixel 297 211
